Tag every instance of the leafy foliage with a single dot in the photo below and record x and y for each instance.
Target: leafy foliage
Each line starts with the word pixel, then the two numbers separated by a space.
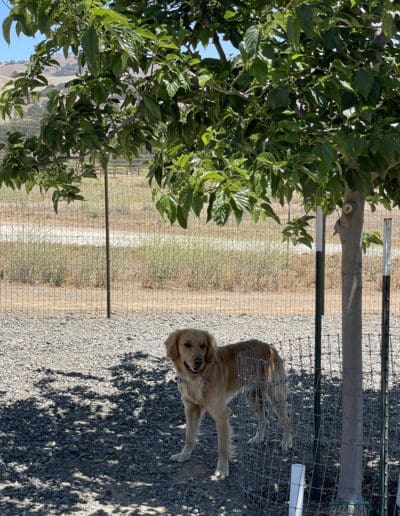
pixel 369 239
pixel 308 105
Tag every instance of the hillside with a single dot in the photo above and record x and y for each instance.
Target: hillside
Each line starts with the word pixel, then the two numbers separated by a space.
pixel 55 75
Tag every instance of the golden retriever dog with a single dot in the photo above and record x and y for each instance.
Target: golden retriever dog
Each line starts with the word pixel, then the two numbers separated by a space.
pixel 208 378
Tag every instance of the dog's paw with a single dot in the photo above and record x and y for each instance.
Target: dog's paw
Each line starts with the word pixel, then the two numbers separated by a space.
pixel 287 443
pixel 257 439
pixel 182 456
pixel 222 471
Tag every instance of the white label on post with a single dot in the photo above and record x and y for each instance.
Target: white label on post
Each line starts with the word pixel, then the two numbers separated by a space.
pixel 296 490
pixel 398 493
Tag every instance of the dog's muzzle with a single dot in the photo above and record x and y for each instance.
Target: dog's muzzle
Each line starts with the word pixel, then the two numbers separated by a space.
pixel 198 364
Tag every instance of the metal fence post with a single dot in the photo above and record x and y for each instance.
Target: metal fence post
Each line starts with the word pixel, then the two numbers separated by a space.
pixel 319 311
pixel 107 231
pixel 385 342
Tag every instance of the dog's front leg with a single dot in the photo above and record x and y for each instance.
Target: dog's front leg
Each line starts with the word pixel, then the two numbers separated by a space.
pixel 221 418
pixel 193 414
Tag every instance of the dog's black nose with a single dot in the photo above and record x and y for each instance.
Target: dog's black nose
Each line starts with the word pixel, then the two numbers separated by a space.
pixel 197 362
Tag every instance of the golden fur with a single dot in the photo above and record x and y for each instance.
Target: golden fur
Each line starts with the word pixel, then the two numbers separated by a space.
pixel 208 379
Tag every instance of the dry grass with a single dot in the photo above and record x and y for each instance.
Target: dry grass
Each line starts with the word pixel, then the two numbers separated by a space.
pixel 197 265
pixel 161 265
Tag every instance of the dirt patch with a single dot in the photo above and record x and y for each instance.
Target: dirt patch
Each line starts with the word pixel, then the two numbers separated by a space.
pixel 44 300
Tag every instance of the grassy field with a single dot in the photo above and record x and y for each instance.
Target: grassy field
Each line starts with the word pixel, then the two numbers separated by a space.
pixel 172 265
pixel 195 264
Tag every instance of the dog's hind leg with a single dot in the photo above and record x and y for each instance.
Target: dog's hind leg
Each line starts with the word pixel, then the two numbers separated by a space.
pixel 193 415
pixel 257 403
pixel 277 393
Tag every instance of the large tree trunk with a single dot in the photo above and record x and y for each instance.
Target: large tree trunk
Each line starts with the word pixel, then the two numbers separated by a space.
pixel 350 227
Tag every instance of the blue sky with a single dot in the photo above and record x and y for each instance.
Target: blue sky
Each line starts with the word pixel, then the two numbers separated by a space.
pixel 21 47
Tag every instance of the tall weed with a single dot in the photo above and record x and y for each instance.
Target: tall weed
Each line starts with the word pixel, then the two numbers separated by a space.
pixel 199 266
pixel 35 263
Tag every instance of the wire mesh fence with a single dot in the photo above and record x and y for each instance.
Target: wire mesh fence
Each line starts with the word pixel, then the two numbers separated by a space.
pixel 55 263
pixel 266 468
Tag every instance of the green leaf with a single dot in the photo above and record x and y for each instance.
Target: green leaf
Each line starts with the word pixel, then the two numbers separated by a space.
pixel 357 181
pixel 326 153
pixel 90 45
pixel 346 85
pixel 204 79
pixel 278 98
pixel 167 42
pixel 43 22
pixel 363 81
pixel 118 65
pixel 7 28
pixel 243 52
pixel 167 206
pixel 251 40
pixel 387 23
pixel 152 107
pixel 206 138
pixel 172 87
pixel 269 212
pixel 332 91
pixel 221 209
pixel 182 216
pixel 52 102
pixel 332 40
pixel 111 16
pixel 351 146
pixel 145 33
pixel 259 70
pixel 305 15
pixel 368 239
pixel 387 149
pixel 204 36
pixel 293 31
pixel 198 201
pixel 211 200
pixel 212 64
pixel 104 159
pixel 228 15
pixel 240 200
pixel 212 176
pixel 296 231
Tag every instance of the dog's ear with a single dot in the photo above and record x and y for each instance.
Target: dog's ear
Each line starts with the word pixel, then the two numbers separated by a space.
pixel 211 348
pixel 171 345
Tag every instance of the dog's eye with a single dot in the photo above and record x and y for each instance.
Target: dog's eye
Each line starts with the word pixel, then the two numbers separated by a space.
pixel 188 345
pixel 203 346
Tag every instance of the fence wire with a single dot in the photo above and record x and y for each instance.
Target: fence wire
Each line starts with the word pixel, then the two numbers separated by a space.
pixel 56 263
pixel 265 468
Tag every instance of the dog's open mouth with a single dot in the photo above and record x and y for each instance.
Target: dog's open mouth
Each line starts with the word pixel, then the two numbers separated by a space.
pixel 192 371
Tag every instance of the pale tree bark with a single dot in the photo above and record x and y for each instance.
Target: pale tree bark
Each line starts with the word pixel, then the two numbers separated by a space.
pixel 350 227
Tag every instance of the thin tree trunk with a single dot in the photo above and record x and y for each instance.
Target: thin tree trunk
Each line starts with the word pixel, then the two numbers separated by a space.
pixel 350 227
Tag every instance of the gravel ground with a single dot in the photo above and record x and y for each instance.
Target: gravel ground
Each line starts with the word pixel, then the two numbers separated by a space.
pixel 90 415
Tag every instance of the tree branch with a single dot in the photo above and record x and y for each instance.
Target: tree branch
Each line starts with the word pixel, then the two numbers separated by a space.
pixel 219 48
pixel 232 91
pixel 125 122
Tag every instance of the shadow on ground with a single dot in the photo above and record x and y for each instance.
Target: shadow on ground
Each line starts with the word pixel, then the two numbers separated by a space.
pixel 96 444
pixel 88 444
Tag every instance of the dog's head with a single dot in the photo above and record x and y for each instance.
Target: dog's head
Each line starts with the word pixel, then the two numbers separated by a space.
pixel 191 350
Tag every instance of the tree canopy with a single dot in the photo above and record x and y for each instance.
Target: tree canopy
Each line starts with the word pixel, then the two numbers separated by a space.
pixel 309 104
